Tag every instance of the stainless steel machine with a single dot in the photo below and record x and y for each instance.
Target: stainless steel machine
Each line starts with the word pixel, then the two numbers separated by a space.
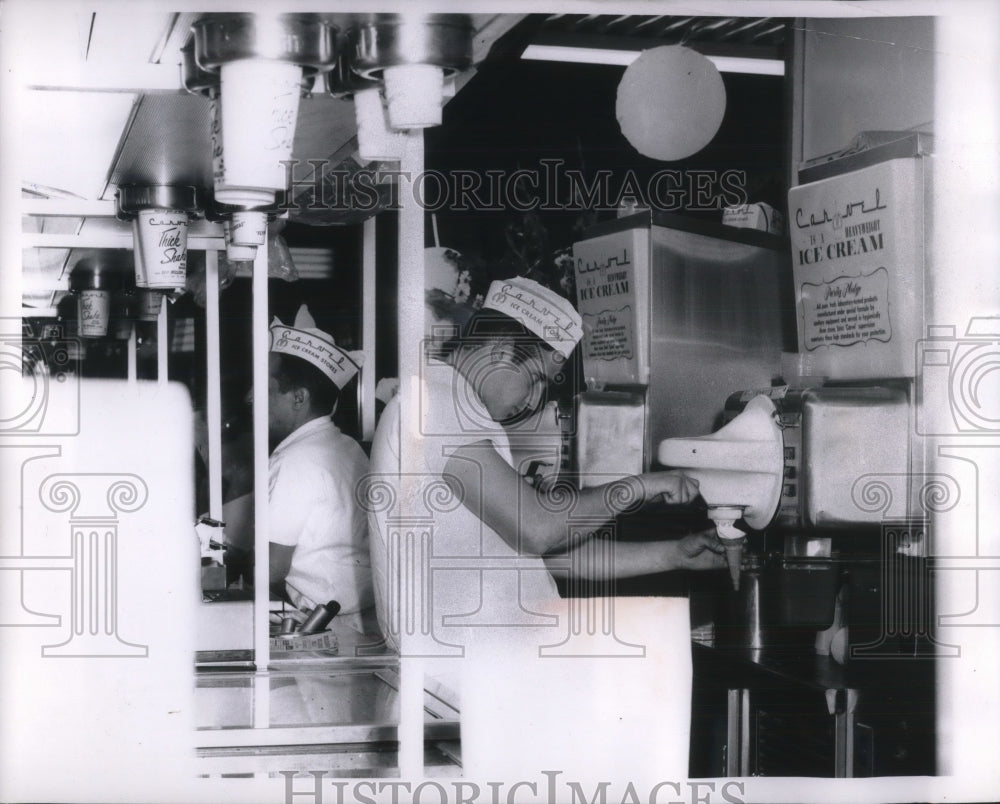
pixel 677 312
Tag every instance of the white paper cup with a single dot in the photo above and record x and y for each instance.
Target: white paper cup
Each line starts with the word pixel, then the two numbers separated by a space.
pixel 93 312
pixel 259 104
pixel 414 93
pixel 376 141
pixel 140 269
pixel 163 247
pixel 149 304
pixel 234 251
pixel 248 229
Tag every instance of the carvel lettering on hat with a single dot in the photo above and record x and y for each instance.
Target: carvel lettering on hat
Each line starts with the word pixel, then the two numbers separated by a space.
pixel 306 341
pixel 544 312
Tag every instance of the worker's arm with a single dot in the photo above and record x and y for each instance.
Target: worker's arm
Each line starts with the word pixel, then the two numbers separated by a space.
pixel 279 558
pixel 536 522
pixel 603 559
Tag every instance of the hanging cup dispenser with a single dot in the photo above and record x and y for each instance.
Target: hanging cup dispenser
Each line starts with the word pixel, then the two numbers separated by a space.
pixel 739 470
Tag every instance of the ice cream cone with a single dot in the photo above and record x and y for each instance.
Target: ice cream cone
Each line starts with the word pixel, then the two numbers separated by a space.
pixel 734 557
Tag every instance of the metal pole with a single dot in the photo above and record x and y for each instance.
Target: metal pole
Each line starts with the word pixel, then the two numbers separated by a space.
pixel 261 342
pixel 410 285
pixel 162 345
pixel 130 354
pixel 366 384
pixel 213 393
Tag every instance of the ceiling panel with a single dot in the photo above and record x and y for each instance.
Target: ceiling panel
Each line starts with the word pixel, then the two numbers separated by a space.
pixel 107 108
pixel 764 31
pixel 132 33
pixel 70 139
pixel 167 142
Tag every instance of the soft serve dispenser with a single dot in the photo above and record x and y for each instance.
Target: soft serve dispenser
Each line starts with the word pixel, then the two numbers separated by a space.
pixel 739 472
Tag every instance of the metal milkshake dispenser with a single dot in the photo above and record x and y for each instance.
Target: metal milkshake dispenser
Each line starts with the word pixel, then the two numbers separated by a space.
pixel 676 313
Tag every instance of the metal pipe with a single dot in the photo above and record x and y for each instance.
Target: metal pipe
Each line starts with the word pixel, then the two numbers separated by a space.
pixel 261 574
pixel 213 392
pixel 162 346
pixel 410 285
pixel 733 745
pixel 130 356
pixel 745 732
pixel 366 384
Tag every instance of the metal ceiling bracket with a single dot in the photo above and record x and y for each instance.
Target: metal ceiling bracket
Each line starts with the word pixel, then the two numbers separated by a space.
pixel 101 269
pixel 130 199
pixel 196 80
pixel 342 82
pixel 217 212
pixel 199 81
pixel 442 40
pixel 302 39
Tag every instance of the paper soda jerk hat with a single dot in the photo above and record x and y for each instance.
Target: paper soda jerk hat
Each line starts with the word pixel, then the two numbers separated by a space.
pixel 547 314
pixel 306 341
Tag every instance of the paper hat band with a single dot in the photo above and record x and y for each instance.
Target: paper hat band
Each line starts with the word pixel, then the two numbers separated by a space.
pixel 544 312
pixel 304 340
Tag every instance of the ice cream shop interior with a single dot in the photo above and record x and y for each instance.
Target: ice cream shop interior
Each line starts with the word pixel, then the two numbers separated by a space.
pixel 715 296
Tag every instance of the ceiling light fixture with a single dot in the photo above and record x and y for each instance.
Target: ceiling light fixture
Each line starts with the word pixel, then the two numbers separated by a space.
pixel 623 58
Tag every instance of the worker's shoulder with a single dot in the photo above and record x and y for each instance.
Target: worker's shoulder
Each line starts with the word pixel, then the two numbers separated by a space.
pixel 324 447
pixel 341 449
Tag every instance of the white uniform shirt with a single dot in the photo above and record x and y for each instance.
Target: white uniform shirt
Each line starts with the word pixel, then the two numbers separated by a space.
pixel 511 591
pixel 313 476
pixel 583 686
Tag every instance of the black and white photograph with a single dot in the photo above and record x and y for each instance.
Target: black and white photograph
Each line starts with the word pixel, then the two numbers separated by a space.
pixel 624 378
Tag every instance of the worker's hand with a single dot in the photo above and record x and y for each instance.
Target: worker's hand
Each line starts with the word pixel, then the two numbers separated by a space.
pixel 671 487
pixel 701 551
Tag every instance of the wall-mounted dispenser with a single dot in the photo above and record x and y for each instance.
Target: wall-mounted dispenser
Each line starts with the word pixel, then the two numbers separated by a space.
pixel 739 470
pixel 94 280
pixel 376 139
pixel 160 215
pixel 264 63
pixel 412 55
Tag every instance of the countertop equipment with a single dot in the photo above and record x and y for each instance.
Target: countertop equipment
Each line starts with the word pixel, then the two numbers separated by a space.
pixel 675 311
pixel 845 531
pixel 738 470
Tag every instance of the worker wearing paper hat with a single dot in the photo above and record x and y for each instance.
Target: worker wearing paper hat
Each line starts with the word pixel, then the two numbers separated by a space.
pixel 540 310
pixel 470 401
pixel 530 332
pixel 318 535
pixel 304 340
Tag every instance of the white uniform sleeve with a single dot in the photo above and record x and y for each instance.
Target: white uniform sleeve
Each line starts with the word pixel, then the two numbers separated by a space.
pixel 449 430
